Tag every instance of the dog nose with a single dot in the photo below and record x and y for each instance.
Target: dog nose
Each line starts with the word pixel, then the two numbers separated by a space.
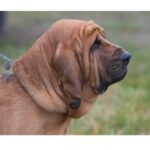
pixel 125 57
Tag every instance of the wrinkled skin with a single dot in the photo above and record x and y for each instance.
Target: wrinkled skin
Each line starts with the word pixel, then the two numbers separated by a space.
pixel 94 63
pixel 59 78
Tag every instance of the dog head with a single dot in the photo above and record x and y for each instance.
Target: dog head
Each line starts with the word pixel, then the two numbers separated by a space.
pixel 70 65
pixel 87 61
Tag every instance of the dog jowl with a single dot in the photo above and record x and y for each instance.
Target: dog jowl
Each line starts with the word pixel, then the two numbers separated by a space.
pixel 112 62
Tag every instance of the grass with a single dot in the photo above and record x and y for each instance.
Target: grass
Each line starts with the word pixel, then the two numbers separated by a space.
pixel 125 107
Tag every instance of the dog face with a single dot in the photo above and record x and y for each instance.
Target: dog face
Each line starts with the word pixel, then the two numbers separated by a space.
pixel 88 63
pixel 70 65
pixel 111 62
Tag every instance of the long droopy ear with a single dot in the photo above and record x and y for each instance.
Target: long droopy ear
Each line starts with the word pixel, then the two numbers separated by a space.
pixel 35 75
pixel 66 62
pixel 82 42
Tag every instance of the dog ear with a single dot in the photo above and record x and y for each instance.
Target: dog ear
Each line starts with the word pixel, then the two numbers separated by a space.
pixel 66 63
pixel 35 75
pixel 82 43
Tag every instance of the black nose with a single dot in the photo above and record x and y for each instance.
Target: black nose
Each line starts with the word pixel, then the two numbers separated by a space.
pixel 125 57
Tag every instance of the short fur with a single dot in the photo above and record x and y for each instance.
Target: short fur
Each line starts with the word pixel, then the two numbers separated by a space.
pixel 58 78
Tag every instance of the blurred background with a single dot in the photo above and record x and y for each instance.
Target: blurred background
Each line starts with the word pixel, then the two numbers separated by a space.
pixel 125 107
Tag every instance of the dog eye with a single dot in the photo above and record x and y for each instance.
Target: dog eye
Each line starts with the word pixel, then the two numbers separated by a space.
pixel 96 44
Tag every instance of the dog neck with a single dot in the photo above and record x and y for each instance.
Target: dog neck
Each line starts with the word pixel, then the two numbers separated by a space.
pixel 35 74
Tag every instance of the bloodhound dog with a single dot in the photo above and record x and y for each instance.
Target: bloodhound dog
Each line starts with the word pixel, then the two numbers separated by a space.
pixel 59 78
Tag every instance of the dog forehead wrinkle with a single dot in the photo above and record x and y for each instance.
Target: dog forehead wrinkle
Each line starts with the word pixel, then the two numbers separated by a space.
pixel 68 26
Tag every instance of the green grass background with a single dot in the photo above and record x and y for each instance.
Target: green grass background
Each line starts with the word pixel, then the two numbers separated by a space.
pixel 125 107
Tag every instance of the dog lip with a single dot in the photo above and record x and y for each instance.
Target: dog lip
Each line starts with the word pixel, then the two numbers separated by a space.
pixel 75 104
pixel 124 74
pixel 103 91
pixel 119 79
pixel 102 87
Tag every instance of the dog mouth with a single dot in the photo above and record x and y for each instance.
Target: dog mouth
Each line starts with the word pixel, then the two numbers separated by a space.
pixel 103 86
pixel 116 70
